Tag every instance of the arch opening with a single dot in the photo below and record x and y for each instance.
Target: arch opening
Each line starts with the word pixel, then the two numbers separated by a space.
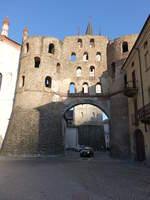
pixel 92 42
pixel 48 81
pixel 85 88
pixel 85 56
pixel 124 47
pixel 92 71
pixel 51 48
pixel 78 71
pixel 37 62
pixel 98 56
pixel 80 42
pixel 139 145
pixel 73 57
pixel 72 88
pixel 86 125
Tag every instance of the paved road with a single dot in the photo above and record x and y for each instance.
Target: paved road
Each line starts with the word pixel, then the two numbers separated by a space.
pixel 73 178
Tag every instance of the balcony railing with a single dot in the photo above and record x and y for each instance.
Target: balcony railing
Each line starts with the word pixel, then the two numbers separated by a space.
pixel 130 90
pixel 144 114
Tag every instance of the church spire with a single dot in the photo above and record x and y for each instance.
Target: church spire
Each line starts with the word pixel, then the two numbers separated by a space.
pixel 89 28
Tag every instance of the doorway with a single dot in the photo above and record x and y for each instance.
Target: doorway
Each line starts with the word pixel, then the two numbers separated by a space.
pixel 140 147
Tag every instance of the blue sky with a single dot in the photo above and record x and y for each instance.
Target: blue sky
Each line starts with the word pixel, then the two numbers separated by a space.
pixel 60 18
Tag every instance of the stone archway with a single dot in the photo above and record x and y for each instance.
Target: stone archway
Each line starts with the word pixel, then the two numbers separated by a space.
pixel 88 132
pixel 102 104
pixel 139 143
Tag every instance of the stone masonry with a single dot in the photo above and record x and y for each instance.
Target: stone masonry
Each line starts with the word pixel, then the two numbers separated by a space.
pixel 42 93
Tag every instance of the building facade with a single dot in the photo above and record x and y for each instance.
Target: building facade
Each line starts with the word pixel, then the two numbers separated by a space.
pixel 137 89
pixel 55 76
pixel 9 61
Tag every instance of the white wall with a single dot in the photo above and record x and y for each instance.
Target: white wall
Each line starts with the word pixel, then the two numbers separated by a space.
pixel 9 59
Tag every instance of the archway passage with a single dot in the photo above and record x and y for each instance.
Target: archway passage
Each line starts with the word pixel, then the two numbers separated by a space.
pixel 140 148
pixel 85 125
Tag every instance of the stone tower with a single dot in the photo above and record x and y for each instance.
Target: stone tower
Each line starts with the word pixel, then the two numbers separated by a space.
pixel 47 69
pixel 117 52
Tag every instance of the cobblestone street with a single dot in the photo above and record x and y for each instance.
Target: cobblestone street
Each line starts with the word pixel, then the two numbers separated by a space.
pixel 73 178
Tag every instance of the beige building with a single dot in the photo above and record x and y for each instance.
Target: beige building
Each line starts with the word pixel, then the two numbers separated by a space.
pixel 137 88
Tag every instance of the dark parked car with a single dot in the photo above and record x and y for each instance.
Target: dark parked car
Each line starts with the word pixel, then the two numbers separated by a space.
pixel 87 152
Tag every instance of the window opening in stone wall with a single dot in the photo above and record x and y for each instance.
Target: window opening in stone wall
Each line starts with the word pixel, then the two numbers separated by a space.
pixel 146 59
pixel 134 79
pixel 98 56
pixel 98 88
pixel 78 71
pixel 132 64
pixel 23 81
pixel 145 44
pixel 27 47
pixel 80 43
pixel 113 69
pixel 51 48
pixel 92 71
pixel 125 81
pixel 73 57
pixel 48 81
pixel 37 62
pixel 72 88
pixel 85 56
pixel 92 43
pixel 1 79
pixel 124 47
pixel 135 111
pixel 85 88
pixel 58 67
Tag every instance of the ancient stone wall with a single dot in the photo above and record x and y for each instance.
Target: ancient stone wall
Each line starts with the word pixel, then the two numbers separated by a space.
pixel 36 120
pixel 119 133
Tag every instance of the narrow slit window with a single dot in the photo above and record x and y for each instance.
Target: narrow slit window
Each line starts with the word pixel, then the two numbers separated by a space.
pixel 92 71
pixel 78 71
pixel 80 43
pixel 51 48
pixel 58 67
pixel 92 43
pixel 85 56
pixel 113 69
pixel 37 62
pixel 124 47
pixel 98 88
pixel 23 81
pixel 27 47
pixel 85 88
